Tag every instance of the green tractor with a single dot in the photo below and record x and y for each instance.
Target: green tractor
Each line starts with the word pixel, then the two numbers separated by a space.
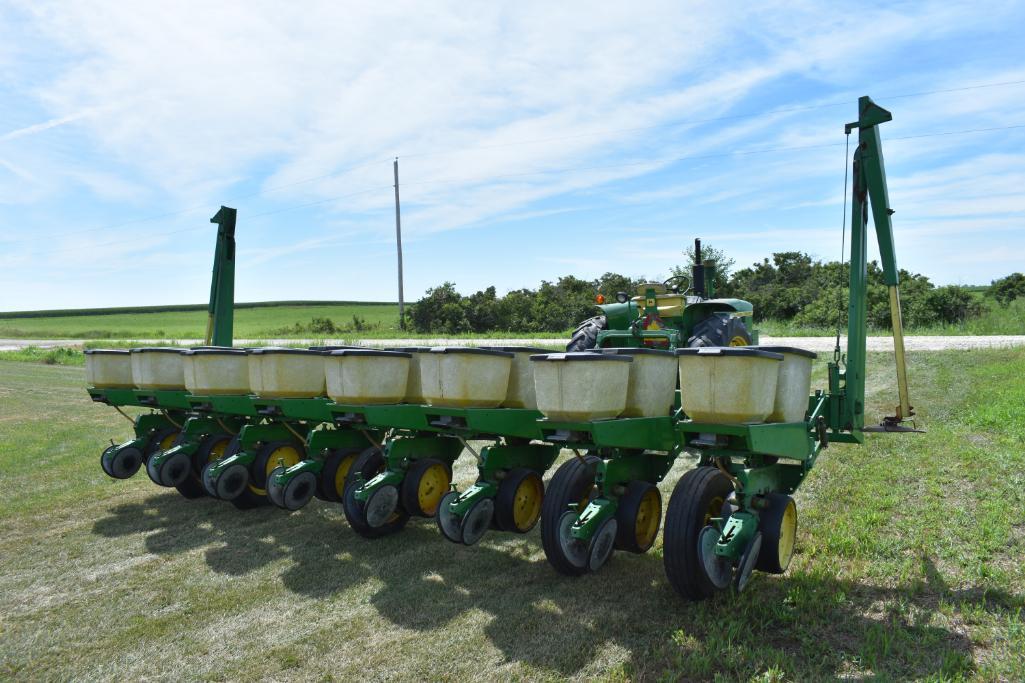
pixel 679 312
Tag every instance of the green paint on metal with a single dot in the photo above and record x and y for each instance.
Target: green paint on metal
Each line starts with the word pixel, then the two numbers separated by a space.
pixel 221 308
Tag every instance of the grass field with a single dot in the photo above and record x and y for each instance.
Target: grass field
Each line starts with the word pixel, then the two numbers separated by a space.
pixel 909 565
pixel 380 321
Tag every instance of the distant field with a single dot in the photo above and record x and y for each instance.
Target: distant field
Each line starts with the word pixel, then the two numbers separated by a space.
pixel 264 320
pixel 378 321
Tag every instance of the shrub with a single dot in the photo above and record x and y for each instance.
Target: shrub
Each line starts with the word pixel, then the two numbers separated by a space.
pixel 1009 288
pixel 953 304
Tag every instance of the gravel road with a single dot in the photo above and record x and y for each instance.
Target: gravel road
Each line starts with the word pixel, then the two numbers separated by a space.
pixel 819 344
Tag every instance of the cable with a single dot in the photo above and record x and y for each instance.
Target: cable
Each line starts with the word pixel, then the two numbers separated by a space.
pixel 843 244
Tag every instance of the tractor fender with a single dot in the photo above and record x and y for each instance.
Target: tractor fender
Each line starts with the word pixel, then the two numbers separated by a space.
pixel 619 316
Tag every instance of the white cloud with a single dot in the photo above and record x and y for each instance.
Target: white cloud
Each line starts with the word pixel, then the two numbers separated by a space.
pixel 182 104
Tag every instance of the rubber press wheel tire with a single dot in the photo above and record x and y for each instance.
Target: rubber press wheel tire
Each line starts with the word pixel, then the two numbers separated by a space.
pixel 424 485
pixel 335 473
pixel 720 329
pixel 121 463
pixel 778 524
pixel 586 335
pixel 697 497
pixel 356 516
pixel 571 483
pixel 519 500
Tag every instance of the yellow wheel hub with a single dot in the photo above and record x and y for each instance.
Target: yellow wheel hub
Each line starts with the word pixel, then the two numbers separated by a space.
pixel 649 513
pixel 217 452
pixel 168 440
pixel 527 503
pixel 342 473
pixel 738 341
pixel 787 534
pixel 289 456
pixel 432 486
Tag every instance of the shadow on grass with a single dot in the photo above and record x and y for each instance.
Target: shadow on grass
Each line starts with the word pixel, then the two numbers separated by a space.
pixel 805 624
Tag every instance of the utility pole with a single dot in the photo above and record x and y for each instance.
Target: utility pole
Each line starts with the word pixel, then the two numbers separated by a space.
pixel 398 246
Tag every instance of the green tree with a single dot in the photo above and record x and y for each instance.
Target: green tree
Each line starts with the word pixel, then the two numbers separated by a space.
pixel 954 304
pixel 440 310
pixel 1009 288
pixel 723 266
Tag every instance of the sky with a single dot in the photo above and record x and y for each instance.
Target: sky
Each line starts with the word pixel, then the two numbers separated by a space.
pixel 535 140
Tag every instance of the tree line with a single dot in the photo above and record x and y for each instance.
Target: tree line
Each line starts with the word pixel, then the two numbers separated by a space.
pixel 790 286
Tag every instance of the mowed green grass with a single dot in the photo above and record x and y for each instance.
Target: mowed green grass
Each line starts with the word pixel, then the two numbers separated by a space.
pixel 908 565
pixel 250 323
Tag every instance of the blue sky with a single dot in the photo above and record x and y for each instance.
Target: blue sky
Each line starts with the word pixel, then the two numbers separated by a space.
pixel 536 139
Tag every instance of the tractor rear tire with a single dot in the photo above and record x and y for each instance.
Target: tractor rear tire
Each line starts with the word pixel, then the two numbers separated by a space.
pixel 585 337
pixel 697 497
pixel 571 483
pixel 720 329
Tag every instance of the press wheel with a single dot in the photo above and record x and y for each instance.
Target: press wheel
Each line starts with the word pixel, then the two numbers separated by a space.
pixel 356 512
pixel 448 523
pixel 121 463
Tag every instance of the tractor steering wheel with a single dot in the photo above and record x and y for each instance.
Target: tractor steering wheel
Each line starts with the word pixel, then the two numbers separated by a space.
pixel 676 288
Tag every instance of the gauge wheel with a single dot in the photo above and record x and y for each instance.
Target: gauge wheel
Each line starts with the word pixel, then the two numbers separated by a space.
pixel 161 440
pixel 639 514
pixel 335 472
pixel 519 499
pixel 270 456
pixel 778 524
pixel 426 482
